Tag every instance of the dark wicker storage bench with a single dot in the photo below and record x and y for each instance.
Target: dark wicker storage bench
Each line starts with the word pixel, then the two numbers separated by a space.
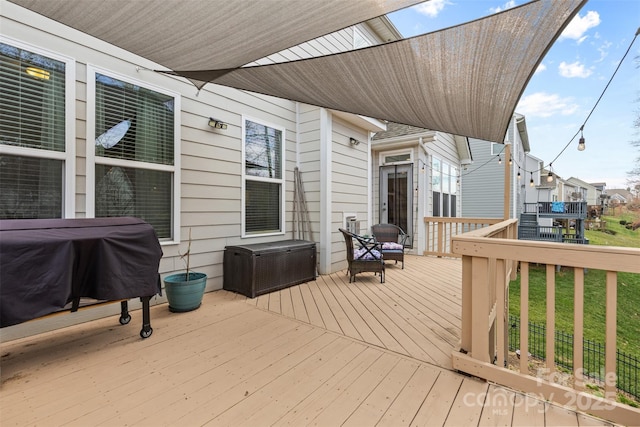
pixel 261 268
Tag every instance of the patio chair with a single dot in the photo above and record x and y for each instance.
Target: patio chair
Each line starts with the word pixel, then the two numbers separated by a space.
pixel 393 240
pixel 365 257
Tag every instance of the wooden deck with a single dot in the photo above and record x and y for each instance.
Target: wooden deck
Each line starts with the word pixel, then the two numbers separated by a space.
pixel 324 353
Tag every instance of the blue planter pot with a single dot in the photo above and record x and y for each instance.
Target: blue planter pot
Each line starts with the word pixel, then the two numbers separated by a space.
pixel 185 294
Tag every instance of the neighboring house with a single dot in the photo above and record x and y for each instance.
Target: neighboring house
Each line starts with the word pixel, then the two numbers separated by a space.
pixel 416 174
pixel 620 194
pixel 589 192
pixel 92 131
pixel 482 188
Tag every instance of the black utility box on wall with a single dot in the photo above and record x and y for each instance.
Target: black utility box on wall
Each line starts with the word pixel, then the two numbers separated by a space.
pixel 261 268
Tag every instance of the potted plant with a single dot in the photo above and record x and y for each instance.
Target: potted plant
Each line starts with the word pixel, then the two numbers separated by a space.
pixel 185 290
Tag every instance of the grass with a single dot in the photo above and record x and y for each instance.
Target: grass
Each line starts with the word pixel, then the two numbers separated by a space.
pixel 628 315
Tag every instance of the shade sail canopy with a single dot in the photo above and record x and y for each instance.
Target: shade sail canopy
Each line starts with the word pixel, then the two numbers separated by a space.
pixel 210 34
pixel 464 80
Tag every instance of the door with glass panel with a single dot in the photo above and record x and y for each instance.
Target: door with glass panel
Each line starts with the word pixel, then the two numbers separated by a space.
pixel 396 196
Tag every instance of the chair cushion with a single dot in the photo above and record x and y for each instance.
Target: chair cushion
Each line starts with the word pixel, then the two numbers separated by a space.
pixel 362 254
pixel 392 246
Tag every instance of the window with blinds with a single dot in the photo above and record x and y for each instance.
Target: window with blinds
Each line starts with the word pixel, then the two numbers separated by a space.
pixel 32 134
pixel 263 178
pixel 134 153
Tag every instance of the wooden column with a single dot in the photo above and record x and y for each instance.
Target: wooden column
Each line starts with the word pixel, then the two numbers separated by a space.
pixel 507 181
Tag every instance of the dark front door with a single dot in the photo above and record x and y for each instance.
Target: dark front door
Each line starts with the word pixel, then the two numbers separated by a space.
pixel 396 196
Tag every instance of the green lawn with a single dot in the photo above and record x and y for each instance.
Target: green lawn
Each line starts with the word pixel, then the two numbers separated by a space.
pixel 628 320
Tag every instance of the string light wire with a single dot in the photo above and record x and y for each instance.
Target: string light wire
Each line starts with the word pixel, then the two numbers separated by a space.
pixel 583 123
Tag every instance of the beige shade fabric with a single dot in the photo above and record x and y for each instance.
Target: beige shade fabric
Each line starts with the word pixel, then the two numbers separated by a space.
pixel 465 80
pixel 210 34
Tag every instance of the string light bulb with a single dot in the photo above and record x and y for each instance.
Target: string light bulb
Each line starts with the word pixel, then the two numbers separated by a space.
pixel 499 159
pixel 510 161
pixel 550 176
pixel 531 184
pixel 519 177
pixel 581 145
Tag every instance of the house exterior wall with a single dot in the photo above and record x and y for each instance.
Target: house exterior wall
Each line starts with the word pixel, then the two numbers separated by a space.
pixel 209 166
pixel 591 194
pixel 423 148
pixel 349 184
pixel 483 181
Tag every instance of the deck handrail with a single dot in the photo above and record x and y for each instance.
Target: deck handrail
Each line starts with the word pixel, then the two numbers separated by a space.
pixel 489 260
pixel 559 209
pixel 440 230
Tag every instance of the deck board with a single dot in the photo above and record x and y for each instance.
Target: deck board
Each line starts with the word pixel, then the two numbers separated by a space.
pixel 322 353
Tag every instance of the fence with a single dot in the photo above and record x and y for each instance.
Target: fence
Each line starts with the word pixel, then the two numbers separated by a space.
pixel 627 366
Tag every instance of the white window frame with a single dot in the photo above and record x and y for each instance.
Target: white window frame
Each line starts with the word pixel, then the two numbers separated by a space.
pixel 92 160
pixel 497 149
pixel 383 156
pixel 69 154
pixel 280 180
pixel 452 184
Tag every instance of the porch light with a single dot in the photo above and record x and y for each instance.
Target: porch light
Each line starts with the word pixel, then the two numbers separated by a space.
pixel 550 175
pixel 217 124
pixel 353 141
pixel 38 73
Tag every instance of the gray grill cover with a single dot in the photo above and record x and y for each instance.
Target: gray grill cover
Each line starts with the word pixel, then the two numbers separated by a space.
pixel 47 263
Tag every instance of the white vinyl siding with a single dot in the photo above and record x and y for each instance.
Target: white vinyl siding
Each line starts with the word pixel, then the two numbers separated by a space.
pixel 349 184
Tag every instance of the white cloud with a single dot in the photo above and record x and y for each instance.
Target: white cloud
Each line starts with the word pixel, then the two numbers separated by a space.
pixel 579 25
pixel 540 68
pixel 542 104
pixel 507 5
pixel 575 69
pixel 604 51
pixel 431 8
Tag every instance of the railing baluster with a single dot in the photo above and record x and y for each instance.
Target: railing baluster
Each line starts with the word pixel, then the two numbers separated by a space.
pixel 611 336
pixel 467 321
pixel 524 318
pixel 578 328
pixel 551 319
pixel 501 311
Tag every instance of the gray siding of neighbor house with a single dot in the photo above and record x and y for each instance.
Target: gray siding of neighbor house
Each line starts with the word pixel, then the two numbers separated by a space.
pixel 483 183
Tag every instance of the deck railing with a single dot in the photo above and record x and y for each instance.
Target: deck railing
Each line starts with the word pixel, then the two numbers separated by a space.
pixel 440 230
pixel 540 232
pixel 557 209
pixel 489 260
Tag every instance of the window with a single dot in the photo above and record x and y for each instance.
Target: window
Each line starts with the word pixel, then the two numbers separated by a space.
pixel 436 187
pixel 35 111
pixel 444 187
pixel 134 147
pixel 263 155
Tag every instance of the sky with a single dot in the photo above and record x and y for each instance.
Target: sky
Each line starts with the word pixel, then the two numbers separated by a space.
pixel 567 84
